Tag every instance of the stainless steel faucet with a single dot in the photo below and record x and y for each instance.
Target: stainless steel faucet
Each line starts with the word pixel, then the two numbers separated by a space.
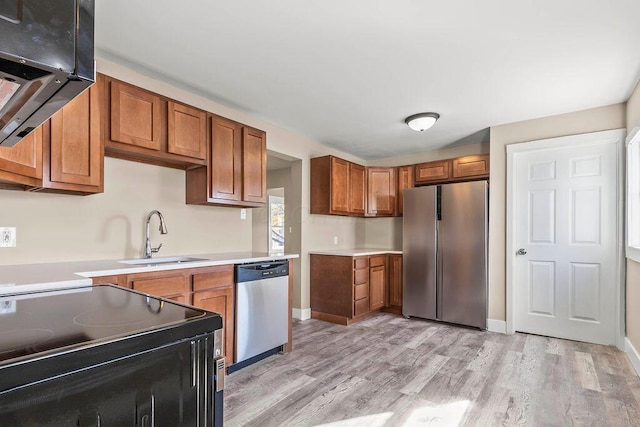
pixel 148 250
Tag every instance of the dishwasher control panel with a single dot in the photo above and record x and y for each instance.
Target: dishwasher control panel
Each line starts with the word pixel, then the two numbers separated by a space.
pixel 261 270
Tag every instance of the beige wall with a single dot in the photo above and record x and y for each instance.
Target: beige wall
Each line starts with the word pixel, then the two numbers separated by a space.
pixel 427 156
pixel 593 120
pixel 633 268
pixel 53 227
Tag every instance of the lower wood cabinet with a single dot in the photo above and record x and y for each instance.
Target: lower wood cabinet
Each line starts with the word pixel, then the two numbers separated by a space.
pixel 221 302
pixel 394 292
pixel 345 289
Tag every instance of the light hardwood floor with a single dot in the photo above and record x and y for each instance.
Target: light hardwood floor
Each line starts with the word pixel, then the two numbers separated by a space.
pixel 391 371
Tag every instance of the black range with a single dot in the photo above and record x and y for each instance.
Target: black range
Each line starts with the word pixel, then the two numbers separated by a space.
pixel 104 355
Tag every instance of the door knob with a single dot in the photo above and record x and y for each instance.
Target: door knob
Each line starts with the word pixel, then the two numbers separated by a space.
pixel 521 251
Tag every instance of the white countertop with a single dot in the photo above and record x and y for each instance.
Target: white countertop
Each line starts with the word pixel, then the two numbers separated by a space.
pixel 356 252
pixel 34 277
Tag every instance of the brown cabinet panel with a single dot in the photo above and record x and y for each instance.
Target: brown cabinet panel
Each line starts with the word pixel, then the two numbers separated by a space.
pixel 221 276
pixel 254 165
pixel 377 260
pixel 339 186
pixel 360 276
pixel 162 286
pixel 357 189
pixel 361 262
pixel 433 171
pixel 381 191
pixel 22 163
pixel 360 291
pixel 395 280
pixel 471 166
pixel 405 180
pixel 220 301
pixel 120 280
pixel 187 131
pixel 361 307
pixel 377 281
pixel 135 116
pixel 76 154
pixel 225 164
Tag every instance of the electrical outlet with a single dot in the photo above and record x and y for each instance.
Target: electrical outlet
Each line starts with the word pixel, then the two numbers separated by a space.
pixel 335 240
pixel 243 214
pixel 7 306
pixel 7 237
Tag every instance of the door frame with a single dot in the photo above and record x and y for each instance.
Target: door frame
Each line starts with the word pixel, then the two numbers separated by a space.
pixel 616 136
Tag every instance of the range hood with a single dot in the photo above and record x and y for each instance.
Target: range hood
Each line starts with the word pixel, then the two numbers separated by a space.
pixel 46 59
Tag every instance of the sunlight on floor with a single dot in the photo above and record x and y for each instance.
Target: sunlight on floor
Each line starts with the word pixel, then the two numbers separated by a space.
pixel 448 415
pixel 377 420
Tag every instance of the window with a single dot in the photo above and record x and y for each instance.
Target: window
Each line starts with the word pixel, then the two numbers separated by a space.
pixel 633 195
pixel 276 224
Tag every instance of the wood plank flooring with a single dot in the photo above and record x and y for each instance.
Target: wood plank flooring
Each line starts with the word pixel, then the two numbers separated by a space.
pixel 390 371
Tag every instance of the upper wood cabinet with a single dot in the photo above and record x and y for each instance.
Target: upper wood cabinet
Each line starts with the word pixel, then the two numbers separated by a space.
pixel 381 191
pixel 330 186
pixel 433 171
pixel 144 126
pixel 453 170
pixel 236 172
pixel 405 180
pixel 63 155
pixel 187 131
pixel 357 189
pixel 471 167
pixel 21 165
pixel 74 158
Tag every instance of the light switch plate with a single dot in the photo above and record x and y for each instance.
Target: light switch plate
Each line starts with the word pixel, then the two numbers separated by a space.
pixel 7 237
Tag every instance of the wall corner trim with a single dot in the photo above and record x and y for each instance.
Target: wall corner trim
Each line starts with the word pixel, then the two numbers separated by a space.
pixel 301 314
pixel 499 326
pixel 632 353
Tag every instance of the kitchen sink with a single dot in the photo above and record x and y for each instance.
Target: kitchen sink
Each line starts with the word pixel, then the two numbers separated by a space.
pixel 160 261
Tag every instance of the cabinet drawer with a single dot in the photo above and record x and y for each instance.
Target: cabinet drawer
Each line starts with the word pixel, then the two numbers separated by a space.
pixel 360 276
pixel 362 262
pixel 221 277
pixel 360 291
pixel 165 286
pixel 376 261
pixel 361 307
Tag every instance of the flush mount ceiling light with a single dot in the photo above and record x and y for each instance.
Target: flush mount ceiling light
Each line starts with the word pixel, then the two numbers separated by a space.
pixel 422 121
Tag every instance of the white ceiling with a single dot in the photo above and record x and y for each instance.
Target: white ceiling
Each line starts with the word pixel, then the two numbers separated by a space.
pixel 347 73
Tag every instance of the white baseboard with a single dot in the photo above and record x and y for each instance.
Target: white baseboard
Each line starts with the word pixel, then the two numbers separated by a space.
pixel 301 314
pixel 499 326
pixel 633 355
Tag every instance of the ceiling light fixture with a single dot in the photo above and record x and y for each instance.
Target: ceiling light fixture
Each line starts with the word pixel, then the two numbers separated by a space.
pixel 421 121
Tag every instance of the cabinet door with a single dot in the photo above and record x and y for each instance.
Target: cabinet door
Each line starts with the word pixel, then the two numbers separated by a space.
pixel 187 131
pixel 225 162
pixel 135 116
pixel 339 203
pixel 405 180
pixel 433 171
pixel 395 280
pixel 174 287
pixel 23 160
pixel 220 301
pixel 76 153
pixel 381 191
pixel 357 189
pixel 377 281
pixel 471 166
pixel 254 165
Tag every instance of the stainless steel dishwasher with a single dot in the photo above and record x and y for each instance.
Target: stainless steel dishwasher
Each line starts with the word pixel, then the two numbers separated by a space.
pixel 262 310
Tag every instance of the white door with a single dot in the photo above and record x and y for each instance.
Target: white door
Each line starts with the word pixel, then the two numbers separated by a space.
pixel 565 237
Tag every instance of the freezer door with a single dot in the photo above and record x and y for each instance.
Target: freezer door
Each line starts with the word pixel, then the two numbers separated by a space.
pixel 462 242
pixel 419 252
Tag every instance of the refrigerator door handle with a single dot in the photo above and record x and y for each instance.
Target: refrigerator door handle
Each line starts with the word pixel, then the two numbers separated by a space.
pixel 439 262
pixel 439 202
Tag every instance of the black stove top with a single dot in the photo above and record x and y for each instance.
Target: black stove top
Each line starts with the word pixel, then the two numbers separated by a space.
pixel 50 321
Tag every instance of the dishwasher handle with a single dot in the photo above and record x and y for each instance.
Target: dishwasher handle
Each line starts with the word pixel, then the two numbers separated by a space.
pixel 261 270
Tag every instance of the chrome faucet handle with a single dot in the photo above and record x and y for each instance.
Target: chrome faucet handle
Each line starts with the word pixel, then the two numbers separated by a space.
pixel 156 250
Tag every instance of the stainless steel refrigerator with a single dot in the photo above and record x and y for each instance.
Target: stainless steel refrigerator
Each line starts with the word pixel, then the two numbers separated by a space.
pixel 444 247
